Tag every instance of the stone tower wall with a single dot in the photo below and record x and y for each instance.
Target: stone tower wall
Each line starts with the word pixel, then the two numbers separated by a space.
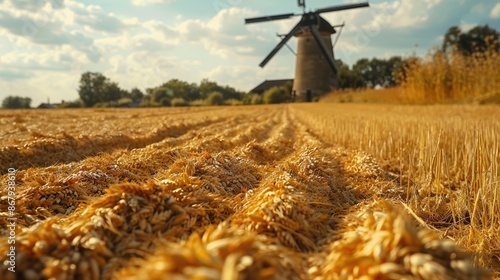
pixel 312 71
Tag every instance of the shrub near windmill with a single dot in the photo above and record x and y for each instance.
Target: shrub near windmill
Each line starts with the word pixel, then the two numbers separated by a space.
pixel 315 69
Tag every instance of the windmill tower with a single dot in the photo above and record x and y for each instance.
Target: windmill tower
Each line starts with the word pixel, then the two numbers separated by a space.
pixel 315 69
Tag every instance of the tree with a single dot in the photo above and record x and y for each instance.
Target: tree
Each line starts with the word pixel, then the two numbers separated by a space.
pixel 136 94
pixel 452 38
pixel 112 92
pixel 96 88
pixel 347 77
pixel 16 102
pixel 478 39
pixel 206 87
pixel 276 95
pixel 374 72
pixel 91 88
pixel 395 64
pixel 182 89
pixel 215 98
pixel 160 94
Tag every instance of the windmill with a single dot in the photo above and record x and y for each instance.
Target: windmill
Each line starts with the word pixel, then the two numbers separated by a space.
pixel 315 69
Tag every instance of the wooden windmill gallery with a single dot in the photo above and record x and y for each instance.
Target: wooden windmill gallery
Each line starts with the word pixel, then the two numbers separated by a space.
pixel 315 68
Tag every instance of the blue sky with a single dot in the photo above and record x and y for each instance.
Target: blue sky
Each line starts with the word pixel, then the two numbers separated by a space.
pixel 45 45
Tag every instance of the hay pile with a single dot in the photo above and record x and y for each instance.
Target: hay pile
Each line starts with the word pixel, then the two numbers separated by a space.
pixel 379 242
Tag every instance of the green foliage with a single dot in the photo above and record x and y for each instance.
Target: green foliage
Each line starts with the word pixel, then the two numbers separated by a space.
pixel 160 94
pixel 111 92
pixel 233 102
pixel 215 98
pixel 16 102
pixel 247 98
pixel 256 99
pixel 148 102
pixel 197 102
pixel 104 105
pixel 276 95
pixel 192 94
pixel 136 94
pixel 181 89
pixel 347 77
pixel 96 88
pixel 124 102
pixel 206 87
pixel 288 86
pixel 164 102
pixel 179 102
pixel 478 39
pixel 377 71
pixel 72 104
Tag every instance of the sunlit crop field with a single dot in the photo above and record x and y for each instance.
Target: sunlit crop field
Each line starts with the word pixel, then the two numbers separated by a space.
pixel 299 191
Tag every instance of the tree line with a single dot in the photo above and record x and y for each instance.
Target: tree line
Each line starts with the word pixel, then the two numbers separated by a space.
pixel 96 90
pixel 369 73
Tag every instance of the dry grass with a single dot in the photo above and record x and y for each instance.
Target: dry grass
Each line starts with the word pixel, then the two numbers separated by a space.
pixel 393 95
pixel 452 77
pixel 257 193
pixel 446 157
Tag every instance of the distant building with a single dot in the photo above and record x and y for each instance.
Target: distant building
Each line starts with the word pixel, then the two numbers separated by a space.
pixel 47 106
pixel 267 84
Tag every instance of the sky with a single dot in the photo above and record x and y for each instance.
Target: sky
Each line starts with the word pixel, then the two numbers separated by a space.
pixel 45 45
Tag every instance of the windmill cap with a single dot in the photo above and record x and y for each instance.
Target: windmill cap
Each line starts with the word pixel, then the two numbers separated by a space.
pixel 324 27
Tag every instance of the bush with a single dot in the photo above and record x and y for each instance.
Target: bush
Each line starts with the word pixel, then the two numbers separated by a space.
pixel 165 102
pixel 125 102
pixel 215 98
pixel 197 102
pixel 247 98
pixel 256 99
pixel 233 102
pixel 104 105
pixel 16 102
pixel 179 102
pixel 276 95
pixel 72 104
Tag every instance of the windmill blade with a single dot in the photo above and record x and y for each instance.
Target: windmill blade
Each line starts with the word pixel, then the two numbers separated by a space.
pixel 268 18
pixel 281 44
pixel 323 48
pixel 286 45
pixel 338 34
pixel 342 7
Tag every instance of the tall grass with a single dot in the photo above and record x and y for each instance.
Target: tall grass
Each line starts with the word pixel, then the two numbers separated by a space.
pixel 451 76
pixel 383 95
pixel 447 158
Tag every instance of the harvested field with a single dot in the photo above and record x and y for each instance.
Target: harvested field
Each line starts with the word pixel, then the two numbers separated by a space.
pixel 300 191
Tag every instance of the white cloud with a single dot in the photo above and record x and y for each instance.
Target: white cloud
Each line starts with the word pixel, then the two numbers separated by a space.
pixel 149 2
pixel 141 69
pixel 34 5
pixel 96 18
pixel 225 35
pixel 54 85
pixel 466 26
pixel 45 28
pixel 495 12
